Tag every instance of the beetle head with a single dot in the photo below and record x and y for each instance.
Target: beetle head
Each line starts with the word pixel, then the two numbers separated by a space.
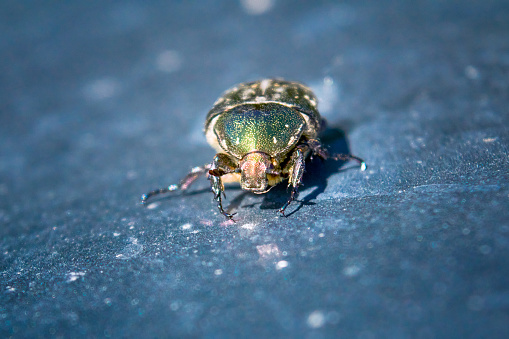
pixel 254 168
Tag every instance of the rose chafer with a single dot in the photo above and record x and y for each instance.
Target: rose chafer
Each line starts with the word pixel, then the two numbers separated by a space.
pixel 263 132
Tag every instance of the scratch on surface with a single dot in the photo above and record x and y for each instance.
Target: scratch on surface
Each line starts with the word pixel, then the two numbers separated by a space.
pixel 73 276
pixel 433 188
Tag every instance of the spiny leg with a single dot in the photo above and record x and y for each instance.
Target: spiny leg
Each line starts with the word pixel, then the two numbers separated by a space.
pixel 221 165
pixel 318 149
pixel 218 188
pixel 296 167
pixel 183 185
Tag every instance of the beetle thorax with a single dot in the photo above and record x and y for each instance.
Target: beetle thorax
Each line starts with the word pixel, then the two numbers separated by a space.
pixel 254 169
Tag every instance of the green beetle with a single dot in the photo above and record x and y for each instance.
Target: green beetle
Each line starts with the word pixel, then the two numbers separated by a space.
pixel 263 132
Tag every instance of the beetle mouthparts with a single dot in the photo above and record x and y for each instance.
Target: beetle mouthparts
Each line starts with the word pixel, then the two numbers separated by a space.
pixel 254 172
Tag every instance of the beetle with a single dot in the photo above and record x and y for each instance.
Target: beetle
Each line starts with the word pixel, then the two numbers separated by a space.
pixel 263 132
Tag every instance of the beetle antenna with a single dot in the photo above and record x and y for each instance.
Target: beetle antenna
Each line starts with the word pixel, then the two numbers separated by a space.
pixel 318 149
pixel 346 157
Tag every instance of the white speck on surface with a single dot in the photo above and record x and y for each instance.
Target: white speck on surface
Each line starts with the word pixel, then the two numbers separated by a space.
pixel 260 99
pixel 218 271
pixel 131 250
pixel 73 276
pixel 116 234
pixel 316 319
pixel 10 288
pixel 237 141
pixel 247 230
pixel 286 125
pixel 153 205
pixel 174 306
pixel 471 72
pixel 249 226
pixel 274 140
pixel 169 61
pixel 101 89
pixel 268 251
pixel 131 175
pixel 351 271
pixel 186 226
pixel 256 7
pixel 489 140
pixel 281 264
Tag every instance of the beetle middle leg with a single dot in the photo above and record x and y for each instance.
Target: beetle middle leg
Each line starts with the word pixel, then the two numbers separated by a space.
pixel 184 184
pixel 221 165
pixel 318 149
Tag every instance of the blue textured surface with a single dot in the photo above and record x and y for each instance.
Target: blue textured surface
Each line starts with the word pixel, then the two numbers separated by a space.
pixel 102 101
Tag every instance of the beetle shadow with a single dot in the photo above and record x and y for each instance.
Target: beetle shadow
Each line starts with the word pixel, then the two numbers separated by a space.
pixel 315 176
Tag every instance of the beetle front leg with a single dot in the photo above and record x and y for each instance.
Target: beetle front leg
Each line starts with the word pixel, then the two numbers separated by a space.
pixel 183 185
pixel 221 165
pixel 218 188
pixel 318 149
pixel 296 171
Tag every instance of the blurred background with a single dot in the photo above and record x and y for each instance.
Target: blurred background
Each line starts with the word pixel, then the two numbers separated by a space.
pixel 101 101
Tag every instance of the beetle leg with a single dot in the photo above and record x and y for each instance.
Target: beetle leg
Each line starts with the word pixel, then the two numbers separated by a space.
pixel 221 165
pixel 296 171
pixel 318 149
pixel 218 188
pixel 183 185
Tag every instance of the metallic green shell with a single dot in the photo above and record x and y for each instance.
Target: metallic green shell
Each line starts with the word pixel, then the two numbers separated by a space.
pixel 285 93
pixel 270 128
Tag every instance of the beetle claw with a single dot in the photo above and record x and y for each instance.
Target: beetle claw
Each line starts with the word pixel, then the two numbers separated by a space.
pixel 282 211
pixel 230 216
pixel 223 212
